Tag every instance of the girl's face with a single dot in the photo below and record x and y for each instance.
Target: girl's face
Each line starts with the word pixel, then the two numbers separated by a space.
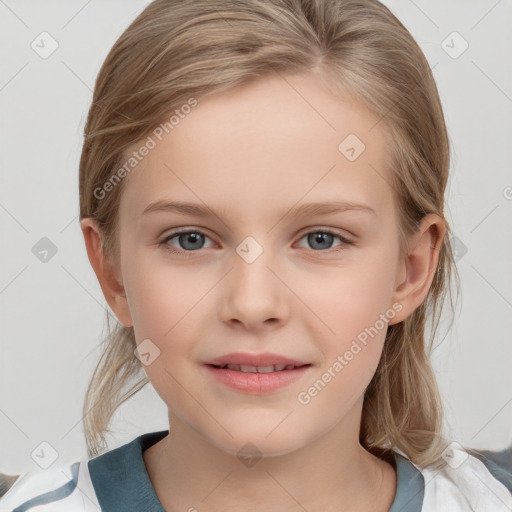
pixel 255 276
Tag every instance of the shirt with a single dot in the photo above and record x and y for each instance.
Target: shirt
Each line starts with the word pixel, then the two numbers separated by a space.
pixel 117 480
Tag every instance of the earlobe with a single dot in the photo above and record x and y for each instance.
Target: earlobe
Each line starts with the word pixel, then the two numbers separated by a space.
pixel 419 267
pixel 109 282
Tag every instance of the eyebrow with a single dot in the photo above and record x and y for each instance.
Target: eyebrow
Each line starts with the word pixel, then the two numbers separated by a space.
pixel 302 210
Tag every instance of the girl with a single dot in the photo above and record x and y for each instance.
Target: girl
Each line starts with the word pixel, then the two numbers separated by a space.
pixel 262 201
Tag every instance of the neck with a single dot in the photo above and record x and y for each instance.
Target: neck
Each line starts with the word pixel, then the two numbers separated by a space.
pixel 189 473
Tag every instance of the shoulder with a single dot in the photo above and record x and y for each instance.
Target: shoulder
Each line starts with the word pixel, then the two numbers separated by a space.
pixel 114 480
pixel 499 463
pixel 66 487
pixel 465 483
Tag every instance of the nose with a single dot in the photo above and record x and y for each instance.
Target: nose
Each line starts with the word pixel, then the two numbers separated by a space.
pixel 254 294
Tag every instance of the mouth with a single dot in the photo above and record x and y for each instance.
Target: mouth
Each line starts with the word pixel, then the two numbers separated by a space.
pixel 258 369
pixel 252 362
pixel 253 379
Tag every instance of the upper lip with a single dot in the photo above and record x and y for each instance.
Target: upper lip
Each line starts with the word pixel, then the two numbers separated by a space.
pixel 265 359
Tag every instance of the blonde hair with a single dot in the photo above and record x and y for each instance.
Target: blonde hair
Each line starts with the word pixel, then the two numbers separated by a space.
pixel 178 49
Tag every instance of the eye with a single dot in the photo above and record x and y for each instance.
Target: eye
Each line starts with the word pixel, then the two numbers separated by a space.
pixel 189 241
pixel 319 240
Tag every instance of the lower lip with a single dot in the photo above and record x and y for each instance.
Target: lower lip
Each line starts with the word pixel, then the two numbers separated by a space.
pixel 257 383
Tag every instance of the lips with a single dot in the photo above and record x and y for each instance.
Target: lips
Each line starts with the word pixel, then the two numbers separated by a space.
pixel 257 369
pixel 261 363
pixel 256 374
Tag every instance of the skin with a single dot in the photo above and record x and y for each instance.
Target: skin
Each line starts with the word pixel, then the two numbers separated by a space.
pixel 250 154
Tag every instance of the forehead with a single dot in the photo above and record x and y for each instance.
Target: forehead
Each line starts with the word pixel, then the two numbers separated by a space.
pixel 274 141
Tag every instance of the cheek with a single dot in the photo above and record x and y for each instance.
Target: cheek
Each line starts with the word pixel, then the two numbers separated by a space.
pixel 350 298
pixel 160 296
pixel 352 308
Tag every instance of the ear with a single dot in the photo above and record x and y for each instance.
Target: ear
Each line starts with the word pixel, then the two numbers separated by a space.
pixel 110 283
pixel 417 272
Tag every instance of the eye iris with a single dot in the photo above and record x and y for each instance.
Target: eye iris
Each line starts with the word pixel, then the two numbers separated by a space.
pixel 319 237
pixel 186 237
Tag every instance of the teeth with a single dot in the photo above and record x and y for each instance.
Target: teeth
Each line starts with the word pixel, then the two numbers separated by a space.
pixel 247 369
pixel 267 369
pixel 259 369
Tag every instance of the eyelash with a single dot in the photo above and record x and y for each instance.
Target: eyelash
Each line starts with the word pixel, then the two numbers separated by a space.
pixel 163 243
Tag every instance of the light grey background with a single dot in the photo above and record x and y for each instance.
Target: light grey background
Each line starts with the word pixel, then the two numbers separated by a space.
pixel 52 313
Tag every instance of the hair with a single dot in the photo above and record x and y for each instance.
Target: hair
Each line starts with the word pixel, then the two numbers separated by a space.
pixel 6 482
pixel 178 49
